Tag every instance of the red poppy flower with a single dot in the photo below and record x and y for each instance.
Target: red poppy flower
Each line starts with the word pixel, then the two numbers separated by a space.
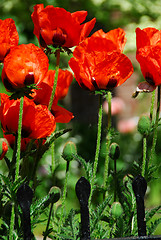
pixel 55 26
pixel 8 37
pixel 24 65
pixel 42 95
pixel 100 41
pixel 37 120
pixel 148 55
pixel 147 37
pixel 3 147
pixel 99 64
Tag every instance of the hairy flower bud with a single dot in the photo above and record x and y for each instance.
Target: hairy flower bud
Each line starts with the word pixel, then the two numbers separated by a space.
pixel 116 210
pixel 69 150
pixel 144 125
pixel 114 151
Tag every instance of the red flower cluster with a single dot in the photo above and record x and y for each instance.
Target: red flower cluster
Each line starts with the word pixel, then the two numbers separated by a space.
pixel 8 37
pixel 55 26
pixel 148 43
pixel 98 62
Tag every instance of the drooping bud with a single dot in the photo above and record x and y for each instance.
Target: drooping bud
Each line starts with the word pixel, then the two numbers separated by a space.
pixel 144 125
pixel 54 194
pixel 3 147
pixel 116 210
pixel 69 150
pixel 114 152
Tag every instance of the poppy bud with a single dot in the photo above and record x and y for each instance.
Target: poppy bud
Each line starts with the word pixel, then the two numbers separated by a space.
pixel 114 151
pixel 69 150
pixel 144 125
pixel 54 194
pixel 116 210
pixel 3 147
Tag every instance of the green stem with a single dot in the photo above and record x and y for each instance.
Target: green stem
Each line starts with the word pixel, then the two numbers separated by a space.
pixel 155 128
pixel 115 180
pixel 18 153
pixel 48 223
pixel 51 102
pixel 55 79
pixel 64 195
pixel 97 148
pixel 144 155
pixel 152 105
pixel 106 168
pixel 12 223
pixel 52 157
pixel 19 139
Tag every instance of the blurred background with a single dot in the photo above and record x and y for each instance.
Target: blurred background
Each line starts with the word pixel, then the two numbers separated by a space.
pixel 110 14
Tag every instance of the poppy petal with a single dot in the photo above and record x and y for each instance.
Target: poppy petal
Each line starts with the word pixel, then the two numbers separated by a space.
pixel 61 114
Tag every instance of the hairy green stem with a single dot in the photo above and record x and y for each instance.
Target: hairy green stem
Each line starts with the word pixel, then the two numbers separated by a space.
pixel 108 137
pixel 115 180
pixel 155 128
pixel 144 155
pixel 51 102
pixel 52 157
pixel 64 194
pixel 152 105
pixel 98 143
pixel 55 79
pixel 18 153
pixel 19 139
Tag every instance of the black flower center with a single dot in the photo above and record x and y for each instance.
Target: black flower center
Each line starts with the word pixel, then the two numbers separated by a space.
pixel 149 79
pixel 7 84
pixel 111 83
pixel 59 38
pixel 26 131
pixel 29 79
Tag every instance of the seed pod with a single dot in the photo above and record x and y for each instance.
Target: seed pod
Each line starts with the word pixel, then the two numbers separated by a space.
pixel 116 210
pixel 144 125
pixel 114 151
pixel 69 150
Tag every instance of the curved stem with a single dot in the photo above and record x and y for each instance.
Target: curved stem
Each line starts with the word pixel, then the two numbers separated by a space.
pixel 48 223
pixel 108 137
pixel 55 79
pixel 155 128
pixel 97 148
pixel 144 156
pixel 19 139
